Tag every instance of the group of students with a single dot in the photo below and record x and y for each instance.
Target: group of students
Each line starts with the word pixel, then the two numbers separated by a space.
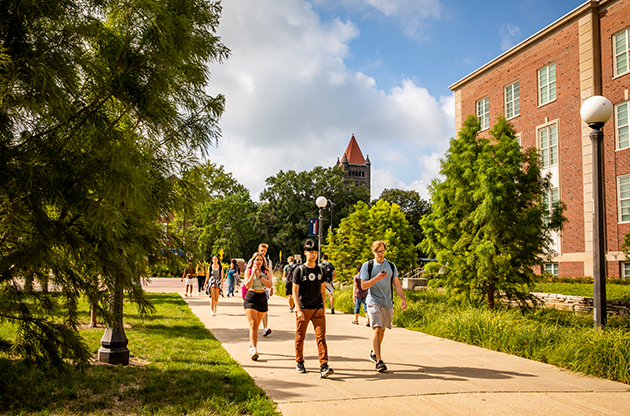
pixel 307 286
pixel 210 280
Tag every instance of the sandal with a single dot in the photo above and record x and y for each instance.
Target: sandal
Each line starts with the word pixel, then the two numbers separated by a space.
pixel 355 322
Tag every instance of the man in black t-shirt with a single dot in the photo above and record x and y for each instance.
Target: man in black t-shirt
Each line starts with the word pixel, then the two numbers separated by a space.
pixel 309 292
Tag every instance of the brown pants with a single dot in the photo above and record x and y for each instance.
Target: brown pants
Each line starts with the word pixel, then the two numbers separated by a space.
pixel 318 318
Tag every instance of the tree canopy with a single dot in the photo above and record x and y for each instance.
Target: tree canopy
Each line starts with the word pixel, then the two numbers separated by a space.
pixel 350 244
pixel 288 201
pixel 100 103
pixel 489 226
pixel 414 207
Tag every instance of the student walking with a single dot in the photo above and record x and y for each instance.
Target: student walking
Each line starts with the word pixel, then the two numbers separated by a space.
pixel 214 282
pixel 201 276
pixel 378 276
pixel 329 268
pixel 288 282
pixel 309 292
pixel 257 278
pixel 189 274
pixel 262 249
pixel 231 277
pixel 358 297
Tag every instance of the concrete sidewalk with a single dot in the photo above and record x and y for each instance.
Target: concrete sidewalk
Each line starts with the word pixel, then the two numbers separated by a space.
pixel 426 375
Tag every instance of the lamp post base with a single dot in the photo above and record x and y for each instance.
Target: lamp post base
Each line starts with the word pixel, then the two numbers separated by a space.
pixel 114 347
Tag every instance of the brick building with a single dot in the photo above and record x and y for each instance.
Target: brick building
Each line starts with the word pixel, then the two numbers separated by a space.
pixel 357 168
pixel 539 86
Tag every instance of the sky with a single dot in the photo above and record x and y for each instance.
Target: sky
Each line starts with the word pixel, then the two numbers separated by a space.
pixel 305 75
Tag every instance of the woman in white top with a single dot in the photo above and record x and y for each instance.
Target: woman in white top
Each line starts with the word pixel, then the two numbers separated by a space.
pixel 214 280
pixel 257 277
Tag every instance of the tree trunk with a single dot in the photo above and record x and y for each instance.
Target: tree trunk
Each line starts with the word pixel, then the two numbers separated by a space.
pixel 93 321
pixel 491 296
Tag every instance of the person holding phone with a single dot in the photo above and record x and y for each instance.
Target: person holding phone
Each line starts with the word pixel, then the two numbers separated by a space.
pixel 379 276
pixel 257 278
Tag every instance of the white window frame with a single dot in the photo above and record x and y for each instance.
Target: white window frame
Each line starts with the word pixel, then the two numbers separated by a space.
pixel 547 92
pixel 483 112
pixel 519 139
pixel 550 198
pixel 622 126
pixel 511 94
pixel 554 268
pixel 625 270
pixel 549 151
pixel 623 53
pixel 623 197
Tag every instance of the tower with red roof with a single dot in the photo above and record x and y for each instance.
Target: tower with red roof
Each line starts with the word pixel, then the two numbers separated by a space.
pixel 356 167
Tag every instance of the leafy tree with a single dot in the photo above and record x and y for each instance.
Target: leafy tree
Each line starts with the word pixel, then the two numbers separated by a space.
pixel 288 201
pixel 625 246
pixel 227 224
pixel 100 102
pixel 489 226
pixel 202 190
pixel 350 244
pixel 414 208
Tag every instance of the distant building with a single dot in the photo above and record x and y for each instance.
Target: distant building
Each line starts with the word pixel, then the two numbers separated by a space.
pixel 357 168
pixel 539 86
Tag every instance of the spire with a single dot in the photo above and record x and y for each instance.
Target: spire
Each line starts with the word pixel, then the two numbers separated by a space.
pixel 353 153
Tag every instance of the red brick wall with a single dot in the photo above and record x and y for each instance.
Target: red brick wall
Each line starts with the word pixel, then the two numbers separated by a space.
pixel 562 47
pixel 613 19
pixel 571 269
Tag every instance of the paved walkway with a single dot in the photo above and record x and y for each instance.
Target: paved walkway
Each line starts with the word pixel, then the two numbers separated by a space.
pixel 426 375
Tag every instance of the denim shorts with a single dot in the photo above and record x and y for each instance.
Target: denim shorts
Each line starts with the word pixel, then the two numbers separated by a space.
pixel 357 304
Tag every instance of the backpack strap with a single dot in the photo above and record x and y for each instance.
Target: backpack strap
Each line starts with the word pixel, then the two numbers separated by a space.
pixel 391 266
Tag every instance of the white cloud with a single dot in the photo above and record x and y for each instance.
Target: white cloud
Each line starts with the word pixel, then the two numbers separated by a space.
pixel 410 15
pixel 292 104
pixel 508 33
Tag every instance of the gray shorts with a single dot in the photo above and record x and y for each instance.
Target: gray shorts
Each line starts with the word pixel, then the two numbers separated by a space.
pixel 380 316
pixel 329 288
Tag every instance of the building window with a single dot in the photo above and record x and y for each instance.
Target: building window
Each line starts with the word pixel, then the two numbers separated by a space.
pixel 512 102
pixel 549 200
pixel 548 144
pixel 623 185
pixel 519 139
pixel 547 84
pixel 483 112
pixel 625 271
pixel 621 125
pixel 622 47
pixel 552 268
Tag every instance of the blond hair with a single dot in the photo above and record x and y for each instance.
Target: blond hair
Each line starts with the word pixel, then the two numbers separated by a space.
pixel 378 243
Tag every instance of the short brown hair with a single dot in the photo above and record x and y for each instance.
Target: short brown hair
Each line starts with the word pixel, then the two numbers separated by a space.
pixel 263 245
pixel 378 243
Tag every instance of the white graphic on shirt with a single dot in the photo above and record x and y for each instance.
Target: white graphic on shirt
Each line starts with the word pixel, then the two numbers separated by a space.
pixel 312 277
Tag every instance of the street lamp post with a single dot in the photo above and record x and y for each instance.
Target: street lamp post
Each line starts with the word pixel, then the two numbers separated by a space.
pixel 321 204
pixel 596 111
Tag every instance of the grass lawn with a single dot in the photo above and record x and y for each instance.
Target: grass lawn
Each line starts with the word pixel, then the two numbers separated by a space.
pixel 177 367
pixel 613 291
pixel 561 338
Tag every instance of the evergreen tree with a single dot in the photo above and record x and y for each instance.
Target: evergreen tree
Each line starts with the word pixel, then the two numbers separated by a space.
pixel 489 226
pixel 350 244
pixel 100 103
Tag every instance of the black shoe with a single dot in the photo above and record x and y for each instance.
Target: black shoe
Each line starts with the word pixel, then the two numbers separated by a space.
pixel 380 366
pixel 300 367
pixel 332 310
pixel 373 357
pixel 325 371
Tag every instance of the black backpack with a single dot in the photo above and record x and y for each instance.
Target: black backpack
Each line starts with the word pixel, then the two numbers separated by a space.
pixel 329 270
pixel 290 271
pixel 391 266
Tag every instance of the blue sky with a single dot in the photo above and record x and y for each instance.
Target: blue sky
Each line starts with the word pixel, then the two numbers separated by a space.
pixel 305 75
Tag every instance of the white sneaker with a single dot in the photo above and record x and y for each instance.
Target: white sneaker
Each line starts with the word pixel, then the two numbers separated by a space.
pixel 212 313
pixel 253 353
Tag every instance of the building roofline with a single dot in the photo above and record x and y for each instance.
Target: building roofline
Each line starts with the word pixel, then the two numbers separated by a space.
pixel 591 4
